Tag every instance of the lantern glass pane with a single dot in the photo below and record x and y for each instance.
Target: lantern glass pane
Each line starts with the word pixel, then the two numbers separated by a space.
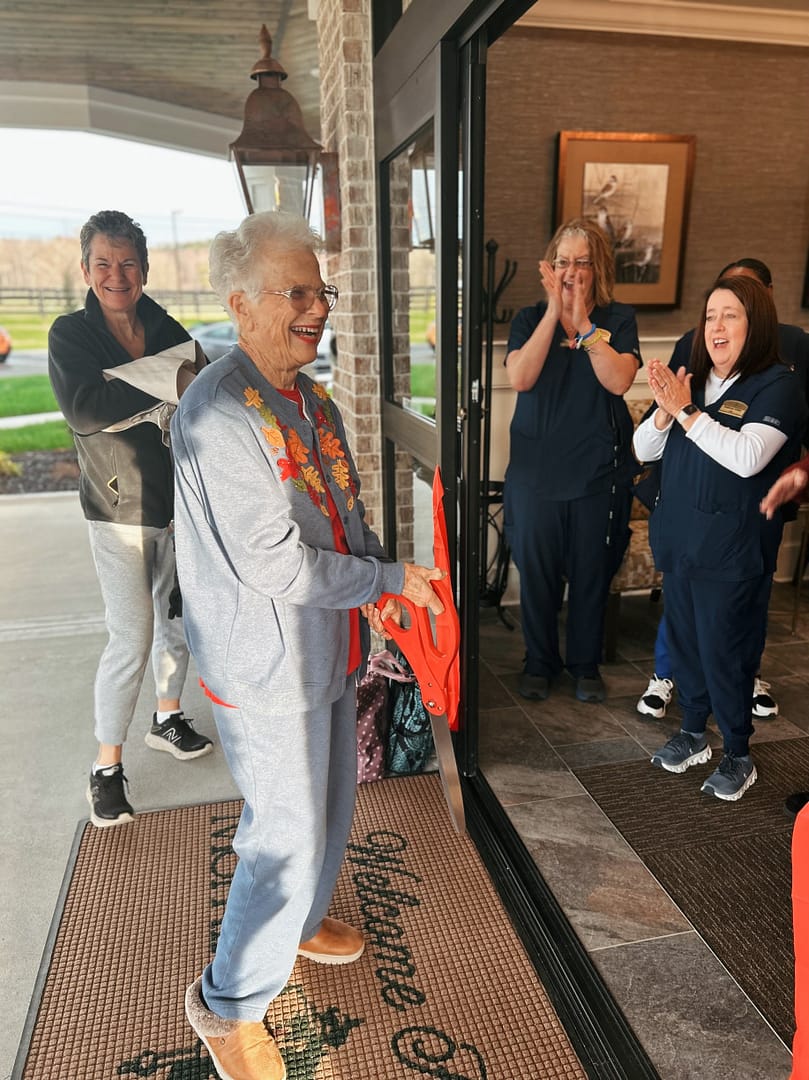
pixel 278 187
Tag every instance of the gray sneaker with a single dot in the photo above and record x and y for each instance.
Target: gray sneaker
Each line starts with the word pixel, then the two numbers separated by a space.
pixel 681 751
pixel 732 778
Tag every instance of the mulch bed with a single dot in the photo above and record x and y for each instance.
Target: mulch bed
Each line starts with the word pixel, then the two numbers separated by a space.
pixel 42 470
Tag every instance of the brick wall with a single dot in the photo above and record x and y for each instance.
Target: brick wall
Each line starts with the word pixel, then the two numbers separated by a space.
pixel 746 104
pixel 346 113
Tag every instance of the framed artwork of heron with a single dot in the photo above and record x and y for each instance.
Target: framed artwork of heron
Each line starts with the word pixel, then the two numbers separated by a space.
pixel 637 187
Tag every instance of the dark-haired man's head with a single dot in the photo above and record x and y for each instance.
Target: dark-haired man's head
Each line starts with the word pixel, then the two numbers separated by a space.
pixel 749 267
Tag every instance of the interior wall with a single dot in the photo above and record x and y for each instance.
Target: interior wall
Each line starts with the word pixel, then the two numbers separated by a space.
pixel 748 106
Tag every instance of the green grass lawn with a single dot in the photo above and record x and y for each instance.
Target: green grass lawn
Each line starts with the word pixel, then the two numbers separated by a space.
pixel 29 330
pixel 25 394
pixel 422 380
pixel 419 321
pixel 52 435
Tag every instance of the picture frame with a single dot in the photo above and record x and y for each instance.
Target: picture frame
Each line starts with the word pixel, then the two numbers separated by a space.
pixel 637 186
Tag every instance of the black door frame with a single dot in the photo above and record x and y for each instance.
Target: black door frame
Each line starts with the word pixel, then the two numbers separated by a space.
pixel 432 66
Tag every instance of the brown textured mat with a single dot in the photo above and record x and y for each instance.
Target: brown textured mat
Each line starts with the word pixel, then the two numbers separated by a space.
pixel 445 990
pixel 726 865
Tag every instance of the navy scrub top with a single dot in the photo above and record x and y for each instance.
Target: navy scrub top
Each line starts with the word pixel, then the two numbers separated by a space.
pixel 707 524
pixel 568 432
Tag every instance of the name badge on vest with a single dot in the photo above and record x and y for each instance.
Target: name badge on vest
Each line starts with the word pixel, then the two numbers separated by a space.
pixel 733 408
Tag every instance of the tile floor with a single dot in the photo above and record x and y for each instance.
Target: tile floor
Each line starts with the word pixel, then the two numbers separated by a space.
pixel 690 1015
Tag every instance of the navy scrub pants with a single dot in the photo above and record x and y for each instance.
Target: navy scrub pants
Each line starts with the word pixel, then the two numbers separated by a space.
pixel 552 541
pixel 715 631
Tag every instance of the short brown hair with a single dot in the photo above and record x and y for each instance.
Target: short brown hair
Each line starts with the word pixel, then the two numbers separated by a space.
pixel 600 252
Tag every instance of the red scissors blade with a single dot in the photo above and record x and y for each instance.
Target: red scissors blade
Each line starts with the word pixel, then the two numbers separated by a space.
pixel 447 625
pixel 435 661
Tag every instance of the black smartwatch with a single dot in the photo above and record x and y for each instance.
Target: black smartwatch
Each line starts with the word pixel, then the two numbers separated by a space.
pixel 686 411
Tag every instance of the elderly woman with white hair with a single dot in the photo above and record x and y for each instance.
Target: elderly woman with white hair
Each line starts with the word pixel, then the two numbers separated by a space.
pixel 276 565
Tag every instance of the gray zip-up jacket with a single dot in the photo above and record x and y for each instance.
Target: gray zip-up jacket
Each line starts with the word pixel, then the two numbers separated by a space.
pixel 265 595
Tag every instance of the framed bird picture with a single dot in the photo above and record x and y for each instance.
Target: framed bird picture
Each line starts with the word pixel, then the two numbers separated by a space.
pixel 638 188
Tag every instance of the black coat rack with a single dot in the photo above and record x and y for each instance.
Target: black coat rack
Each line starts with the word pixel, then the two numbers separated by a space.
pixel 494 573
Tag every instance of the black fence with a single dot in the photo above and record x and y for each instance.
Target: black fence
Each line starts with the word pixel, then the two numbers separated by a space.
pixel 49 301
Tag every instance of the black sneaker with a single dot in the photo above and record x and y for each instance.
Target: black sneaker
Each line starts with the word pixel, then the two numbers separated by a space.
pixel 794 803
pixel 177 736
pixel 534 687
pixel 105 794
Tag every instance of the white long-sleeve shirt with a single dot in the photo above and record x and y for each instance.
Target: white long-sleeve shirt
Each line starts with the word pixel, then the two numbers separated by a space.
pixel 745 452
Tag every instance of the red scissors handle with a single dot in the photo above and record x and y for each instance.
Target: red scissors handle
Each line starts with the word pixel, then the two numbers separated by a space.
pixel 430 666
pixel 434 661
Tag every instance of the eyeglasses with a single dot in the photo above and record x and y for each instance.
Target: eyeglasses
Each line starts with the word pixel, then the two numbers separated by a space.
pixel 579 264
pixel 303 296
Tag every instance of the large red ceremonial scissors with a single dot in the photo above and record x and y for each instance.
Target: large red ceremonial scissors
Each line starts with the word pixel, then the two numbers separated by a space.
pixel 434 660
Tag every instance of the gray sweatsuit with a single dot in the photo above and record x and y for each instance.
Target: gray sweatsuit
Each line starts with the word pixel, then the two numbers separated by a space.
pixel 265 604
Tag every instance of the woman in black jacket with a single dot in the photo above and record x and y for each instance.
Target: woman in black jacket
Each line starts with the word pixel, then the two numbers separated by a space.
pixel 117 368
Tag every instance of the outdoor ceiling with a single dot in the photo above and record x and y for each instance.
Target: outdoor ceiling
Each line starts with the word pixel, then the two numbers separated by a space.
pixel 775 22
pixel 196 54
pixel 176 72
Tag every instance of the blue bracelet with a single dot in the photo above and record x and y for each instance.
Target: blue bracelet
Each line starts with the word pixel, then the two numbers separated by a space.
pixel 583 337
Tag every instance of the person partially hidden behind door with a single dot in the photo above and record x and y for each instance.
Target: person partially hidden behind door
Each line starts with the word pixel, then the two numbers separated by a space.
pixel 567 491
pixel 791 486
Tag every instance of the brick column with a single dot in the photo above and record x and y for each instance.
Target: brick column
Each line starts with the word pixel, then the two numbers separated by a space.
pixel 346 114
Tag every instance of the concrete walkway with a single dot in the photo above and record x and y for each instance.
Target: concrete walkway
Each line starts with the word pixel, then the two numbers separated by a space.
pixel 51 635
pixel 31 418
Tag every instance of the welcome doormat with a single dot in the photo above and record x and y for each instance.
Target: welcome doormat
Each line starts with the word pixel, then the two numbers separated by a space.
pixel 726 865
pixel 444 988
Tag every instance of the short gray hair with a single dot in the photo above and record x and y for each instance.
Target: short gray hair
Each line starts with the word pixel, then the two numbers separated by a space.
pixel 235 256
pixel 117 226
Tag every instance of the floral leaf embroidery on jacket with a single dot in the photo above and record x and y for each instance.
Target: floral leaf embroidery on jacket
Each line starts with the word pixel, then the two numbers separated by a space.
pixel 330 445
pixel 296 448
pixel 274 438
pixel 295 465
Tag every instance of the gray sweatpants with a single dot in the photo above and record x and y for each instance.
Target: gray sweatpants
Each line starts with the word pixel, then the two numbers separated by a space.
pixel 135 567
pixel 298 777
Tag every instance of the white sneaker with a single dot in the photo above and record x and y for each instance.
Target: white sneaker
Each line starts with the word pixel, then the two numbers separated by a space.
pixel 764 704
pixel 656 697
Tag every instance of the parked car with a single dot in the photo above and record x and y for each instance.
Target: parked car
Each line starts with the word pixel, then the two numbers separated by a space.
pixel 5 345
pixel 217 337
